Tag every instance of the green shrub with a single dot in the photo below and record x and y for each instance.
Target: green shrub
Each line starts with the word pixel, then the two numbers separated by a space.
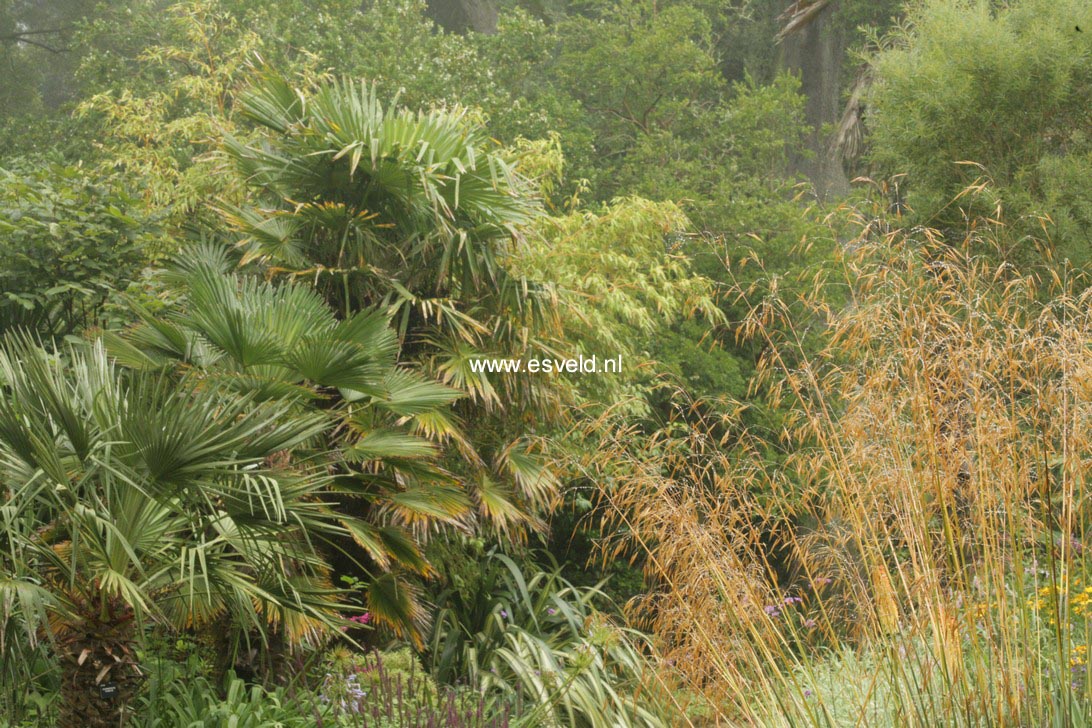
pixel 68 240
pixel 974 92
pixel 538 642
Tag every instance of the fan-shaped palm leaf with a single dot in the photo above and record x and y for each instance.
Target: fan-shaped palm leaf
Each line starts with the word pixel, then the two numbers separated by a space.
pixel 283 346
pixel 140 496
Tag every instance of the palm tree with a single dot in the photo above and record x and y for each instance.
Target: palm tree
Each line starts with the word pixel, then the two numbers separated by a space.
pixel 134 499
pixel 382 205
pixel 415 213
pixel 284 344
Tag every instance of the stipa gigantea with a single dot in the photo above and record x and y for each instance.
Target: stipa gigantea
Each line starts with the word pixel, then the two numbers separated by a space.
pixel 913 553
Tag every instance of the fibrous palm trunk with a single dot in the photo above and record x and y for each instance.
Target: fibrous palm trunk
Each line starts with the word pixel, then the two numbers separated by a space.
pixel 99 675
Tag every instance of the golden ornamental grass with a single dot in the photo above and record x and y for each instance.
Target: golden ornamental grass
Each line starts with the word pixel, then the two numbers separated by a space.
pixel 911 552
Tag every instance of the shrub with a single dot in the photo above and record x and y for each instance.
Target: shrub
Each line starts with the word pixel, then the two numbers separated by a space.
pixel 67 241
pixel 539 642
pixel 971 92
pixel 115 482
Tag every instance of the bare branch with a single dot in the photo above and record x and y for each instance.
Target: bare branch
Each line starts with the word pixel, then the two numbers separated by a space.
pixel 47 31
pixel 23 36
pixel 799 15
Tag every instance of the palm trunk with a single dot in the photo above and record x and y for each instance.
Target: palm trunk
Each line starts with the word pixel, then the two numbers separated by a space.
pixel 99 676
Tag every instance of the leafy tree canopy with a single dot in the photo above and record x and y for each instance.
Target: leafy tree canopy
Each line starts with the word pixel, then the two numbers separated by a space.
pixel 971 94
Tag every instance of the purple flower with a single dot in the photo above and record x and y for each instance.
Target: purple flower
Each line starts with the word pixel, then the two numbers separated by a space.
pixel 504 614
pixel 809 623
pixel 807 693
pixel 793 600
pixel 771 610
pixel 551 611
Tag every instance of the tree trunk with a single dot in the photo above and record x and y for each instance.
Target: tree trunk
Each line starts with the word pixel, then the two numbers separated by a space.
pixel 815 52
pixel 460 16
pixel 99 675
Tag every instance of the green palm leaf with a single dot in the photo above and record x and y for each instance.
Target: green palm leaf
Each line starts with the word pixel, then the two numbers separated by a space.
pixel 395 603
pixel 406 393
pixel 136 496
pixel 386 444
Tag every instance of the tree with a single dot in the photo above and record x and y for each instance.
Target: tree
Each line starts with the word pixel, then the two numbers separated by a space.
pixel 380 205
pixel 160 88
pixel 417 213
pixel 971 94
pixel 35 44
pixel 283 344
pixel 656 77
pixel 462 15
pixel 133 499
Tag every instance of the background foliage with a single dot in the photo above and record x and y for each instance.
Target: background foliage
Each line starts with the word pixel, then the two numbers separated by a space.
pixel 314 218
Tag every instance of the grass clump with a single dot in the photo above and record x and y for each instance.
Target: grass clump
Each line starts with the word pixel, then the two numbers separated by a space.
pixel 915 554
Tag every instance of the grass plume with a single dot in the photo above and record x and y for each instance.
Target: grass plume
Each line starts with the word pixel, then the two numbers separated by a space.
pixel 913 554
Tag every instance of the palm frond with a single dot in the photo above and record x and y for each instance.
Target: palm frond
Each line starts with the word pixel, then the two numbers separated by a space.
pixel 407 394
pixel 396 603
pixel 154 493
pixel 382 444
